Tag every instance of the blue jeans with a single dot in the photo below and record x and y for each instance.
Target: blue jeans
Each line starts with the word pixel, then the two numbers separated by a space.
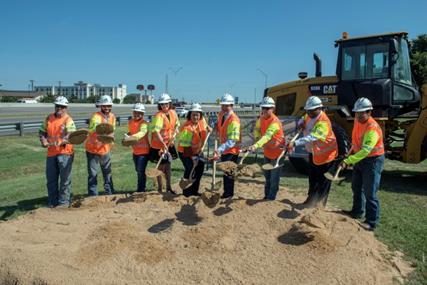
pixel 140 162
pixel 92 168
pixel 59 167
pixel 272 178
pixel 193 189
pixel 228 180
pixel 365 183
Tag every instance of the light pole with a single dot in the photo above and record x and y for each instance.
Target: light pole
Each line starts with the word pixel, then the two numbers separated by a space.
pixel 265 76
pixel 175 72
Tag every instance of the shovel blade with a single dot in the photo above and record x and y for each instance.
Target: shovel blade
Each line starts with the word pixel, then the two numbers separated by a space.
pixel 152 173
pixel 210 199
pixel 331 177
pixel 269 166
pixel 185 183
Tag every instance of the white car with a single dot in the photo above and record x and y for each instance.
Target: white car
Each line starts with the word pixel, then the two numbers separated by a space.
pixel 181 111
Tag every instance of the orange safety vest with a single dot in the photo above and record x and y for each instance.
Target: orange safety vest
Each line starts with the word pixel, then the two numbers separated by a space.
pixel 142 146
pixel 359 131
pixel 197 139
pixel 222 131
pixel 167 130
pixel 92 144
pixel 324 151
pixel 272 148
pixel 55 129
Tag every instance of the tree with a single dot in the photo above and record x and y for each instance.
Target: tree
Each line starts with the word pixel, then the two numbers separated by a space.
pixel 47 99
pixel 419 59
pixel 9 99
pixel 92 99
pixel 129 100
pixel 116 101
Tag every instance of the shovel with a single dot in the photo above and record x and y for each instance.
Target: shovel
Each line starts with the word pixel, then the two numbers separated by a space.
pixel 210 197
pixel 270 166
pixel 154 172
pixel 334 178
pixel 230 168
pixel 185 183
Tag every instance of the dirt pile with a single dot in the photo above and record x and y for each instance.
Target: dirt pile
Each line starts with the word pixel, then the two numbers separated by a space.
pixel 165 239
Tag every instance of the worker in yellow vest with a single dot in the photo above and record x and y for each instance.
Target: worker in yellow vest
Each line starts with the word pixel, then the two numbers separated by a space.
pixel 228 128
pixel 270 136
pixel 97 152
pixel 53 134
pixel 368 160
pixel 191 137
pixel 138 128
pixel 164 128
pixel 320 142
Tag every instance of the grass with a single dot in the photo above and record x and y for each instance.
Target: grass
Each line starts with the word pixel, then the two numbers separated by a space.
pixel 403 194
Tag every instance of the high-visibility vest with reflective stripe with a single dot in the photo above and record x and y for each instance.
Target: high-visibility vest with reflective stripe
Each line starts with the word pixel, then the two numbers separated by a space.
pixel 167 130
pixel 92 144
pixel 56 131
pixel 222 131
pixel 272 148
pixel 323 151
pixel 359 131
pixel 196 136
pixel 142 146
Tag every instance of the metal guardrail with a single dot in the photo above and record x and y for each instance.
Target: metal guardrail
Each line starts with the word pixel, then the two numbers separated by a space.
pixel 21 127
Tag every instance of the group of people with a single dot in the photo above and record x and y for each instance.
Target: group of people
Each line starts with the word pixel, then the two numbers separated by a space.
pixel 156 143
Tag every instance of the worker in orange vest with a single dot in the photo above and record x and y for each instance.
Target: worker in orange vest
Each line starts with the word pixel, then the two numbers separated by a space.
pixel 191 137
pixel 97 152
pixel 269 134
pixel 368 160
pixel 164 128
pixel 53 134
pixel 319 140
pixel 228 128
pixel 138 128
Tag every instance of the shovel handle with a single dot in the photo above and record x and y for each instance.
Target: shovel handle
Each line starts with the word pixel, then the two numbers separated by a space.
pixel 214 164
pixel 285 151
pixel 337 172
pixel 243 158
pixel 205 142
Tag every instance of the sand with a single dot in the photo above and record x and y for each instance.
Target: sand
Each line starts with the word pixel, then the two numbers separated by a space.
pixel 166 239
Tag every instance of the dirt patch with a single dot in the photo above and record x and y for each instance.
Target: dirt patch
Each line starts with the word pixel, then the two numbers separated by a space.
pixel 152 238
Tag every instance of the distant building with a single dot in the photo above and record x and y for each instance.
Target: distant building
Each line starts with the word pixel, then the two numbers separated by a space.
pixel 22 95
pixel 146 99
pixel 82 90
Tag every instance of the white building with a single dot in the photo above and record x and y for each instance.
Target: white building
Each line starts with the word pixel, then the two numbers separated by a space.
pixel 83 90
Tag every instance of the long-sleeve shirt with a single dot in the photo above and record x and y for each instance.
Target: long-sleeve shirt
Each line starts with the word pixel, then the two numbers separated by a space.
pixel 234 135
pixel 270 132
pixel 370 139
pixel 318 131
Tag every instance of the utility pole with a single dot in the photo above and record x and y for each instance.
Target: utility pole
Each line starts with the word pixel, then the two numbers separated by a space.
pixel 166 83
pixel 32 84
pixel 59 88
pixel 265 76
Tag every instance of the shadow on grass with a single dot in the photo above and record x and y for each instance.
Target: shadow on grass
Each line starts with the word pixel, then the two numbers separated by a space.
pixel 404 181
pixel 22 206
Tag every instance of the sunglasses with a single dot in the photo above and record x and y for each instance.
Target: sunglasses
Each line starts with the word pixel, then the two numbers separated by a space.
pixel 60 107
pixel 266 108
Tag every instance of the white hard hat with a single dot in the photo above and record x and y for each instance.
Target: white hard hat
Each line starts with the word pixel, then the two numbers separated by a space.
pixel 267 102
pixel 313 102
pixel 104 100
pixel 61 100
pixel 362 104
pixel 139 107
pixel 196 107
pixel 165 98
pixel 227 99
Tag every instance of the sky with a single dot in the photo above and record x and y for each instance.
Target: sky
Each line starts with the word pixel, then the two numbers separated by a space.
pixel 205 48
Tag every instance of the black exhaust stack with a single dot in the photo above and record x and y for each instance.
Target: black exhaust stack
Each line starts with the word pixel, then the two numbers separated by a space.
pixel 318 65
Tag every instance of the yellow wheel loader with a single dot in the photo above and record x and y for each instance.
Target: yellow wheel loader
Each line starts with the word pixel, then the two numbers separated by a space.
pixel 376 67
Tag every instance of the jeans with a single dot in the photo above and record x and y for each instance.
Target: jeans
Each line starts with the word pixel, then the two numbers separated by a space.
pixel 272 178
pixel 140 162
pixel 365 183
pixel 319 185
pixel 59 167
pixel 92 168
pixel 193 189
pixel 228 180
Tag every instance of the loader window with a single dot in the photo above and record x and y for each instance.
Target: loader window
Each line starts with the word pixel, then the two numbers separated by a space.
pixel 402 68
pixel 365 62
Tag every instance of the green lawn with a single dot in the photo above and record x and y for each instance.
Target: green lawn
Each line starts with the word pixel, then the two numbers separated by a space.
pixel 403 193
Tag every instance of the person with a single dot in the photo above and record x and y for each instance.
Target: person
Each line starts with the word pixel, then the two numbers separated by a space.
pixel 138 128
pixel 98 152
pixel 164 127
pixel 228 129
pixel 269 134
pixel 320 142
pixel 368 160
pixel 191 138
pixel 60 154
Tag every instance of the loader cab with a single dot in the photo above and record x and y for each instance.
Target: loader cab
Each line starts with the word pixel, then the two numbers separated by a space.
pixel 376 67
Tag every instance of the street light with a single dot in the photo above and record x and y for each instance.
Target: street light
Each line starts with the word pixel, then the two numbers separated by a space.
pixel 175 72
pixel 265 76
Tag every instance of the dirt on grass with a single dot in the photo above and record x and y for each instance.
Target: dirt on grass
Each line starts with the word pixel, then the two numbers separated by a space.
pixel 157 238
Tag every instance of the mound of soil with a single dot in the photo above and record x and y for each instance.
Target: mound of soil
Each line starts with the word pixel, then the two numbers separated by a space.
pixel 158 238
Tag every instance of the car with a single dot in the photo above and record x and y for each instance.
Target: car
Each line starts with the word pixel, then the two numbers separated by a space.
pixel 181 111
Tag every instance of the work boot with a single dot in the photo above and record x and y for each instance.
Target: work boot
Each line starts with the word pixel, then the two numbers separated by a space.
pixel 367 226
pixel 352 214
pixel 171 191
